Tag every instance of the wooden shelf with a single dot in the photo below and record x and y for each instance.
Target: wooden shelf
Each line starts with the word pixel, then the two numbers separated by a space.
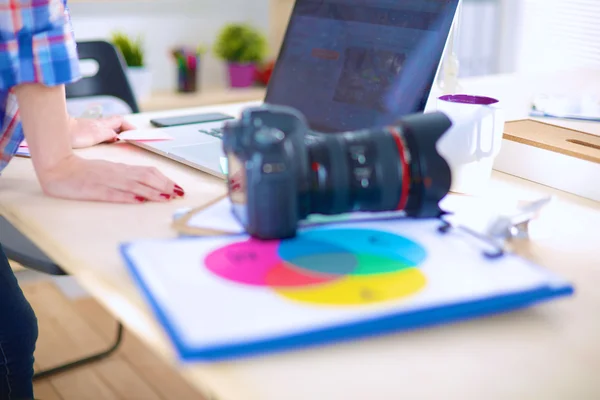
pixel 171 100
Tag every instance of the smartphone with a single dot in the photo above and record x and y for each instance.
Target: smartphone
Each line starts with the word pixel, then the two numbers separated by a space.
pixel 189 119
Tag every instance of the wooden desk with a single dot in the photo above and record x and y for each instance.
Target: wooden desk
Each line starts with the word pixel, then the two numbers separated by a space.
pixel 547 352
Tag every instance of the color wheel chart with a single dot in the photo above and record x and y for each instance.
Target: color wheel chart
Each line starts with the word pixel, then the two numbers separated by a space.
pixel 328 267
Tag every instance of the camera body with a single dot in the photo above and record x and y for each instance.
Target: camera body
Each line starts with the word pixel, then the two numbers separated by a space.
pixel 267 164
pixel 279 172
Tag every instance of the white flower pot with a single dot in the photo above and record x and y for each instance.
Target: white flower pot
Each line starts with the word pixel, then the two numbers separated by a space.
pixel 140 79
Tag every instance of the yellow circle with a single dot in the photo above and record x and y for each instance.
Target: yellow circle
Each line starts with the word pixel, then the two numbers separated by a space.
pixel 353 290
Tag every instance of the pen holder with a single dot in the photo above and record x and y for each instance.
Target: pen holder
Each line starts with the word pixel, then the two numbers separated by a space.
pixel 187 80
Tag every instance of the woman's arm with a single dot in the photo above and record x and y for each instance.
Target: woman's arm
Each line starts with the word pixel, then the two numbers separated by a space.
pixel 45 122
pixel 38 57
pixel 62 174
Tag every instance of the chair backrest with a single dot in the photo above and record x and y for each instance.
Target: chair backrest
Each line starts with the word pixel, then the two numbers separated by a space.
pixel 21 249
pixel 110 79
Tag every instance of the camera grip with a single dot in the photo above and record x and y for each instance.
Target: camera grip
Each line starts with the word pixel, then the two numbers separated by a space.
pixel 273 208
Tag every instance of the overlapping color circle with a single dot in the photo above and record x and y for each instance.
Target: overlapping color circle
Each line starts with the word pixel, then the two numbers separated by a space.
pixel 326 266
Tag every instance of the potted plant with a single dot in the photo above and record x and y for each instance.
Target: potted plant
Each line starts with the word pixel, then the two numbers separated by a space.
pixel 140 77
pixel 242 47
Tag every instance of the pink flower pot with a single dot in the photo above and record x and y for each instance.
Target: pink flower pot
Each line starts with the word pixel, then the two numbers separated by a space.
pixel 241 75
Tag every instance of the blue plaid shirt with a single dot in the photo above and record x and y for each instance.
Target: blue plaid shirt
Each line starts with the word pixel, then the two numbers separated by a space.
pixel 36 46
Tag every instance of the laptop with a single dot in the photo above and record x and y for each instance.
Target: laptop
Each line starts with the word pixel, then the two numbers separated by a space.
pixel 338 61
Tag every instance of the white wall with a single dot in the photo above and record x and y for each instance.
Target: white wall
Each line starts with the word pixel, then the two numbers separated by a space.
pixel 168 23
pixel 496 36
pixel 558 34
pixel 504 36
pixel 543 35
pixel 478 37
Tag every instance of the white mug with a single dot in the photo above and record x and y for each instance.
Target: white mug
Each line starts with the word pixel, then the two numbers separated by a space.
pixel 474 140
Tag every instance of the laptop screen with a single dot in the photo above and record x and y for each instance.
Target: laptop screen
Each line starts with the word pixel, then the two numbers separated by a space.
pixel 340 58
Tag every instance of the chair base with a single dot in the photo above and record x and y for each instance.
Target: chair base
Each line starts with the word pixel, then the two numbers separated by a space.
pixel 78 363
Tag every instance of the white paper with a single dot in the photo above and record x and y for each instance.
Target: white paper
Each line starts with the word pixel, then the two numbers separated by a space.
pixel 23 152
pixel 219 217
pixel 470 211
pixel 585 107
pixel 208 310
pixel 143 135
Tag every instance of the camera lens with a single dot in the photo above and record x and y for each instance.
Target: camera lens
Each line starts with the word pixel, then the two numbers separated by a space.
pixel 389 168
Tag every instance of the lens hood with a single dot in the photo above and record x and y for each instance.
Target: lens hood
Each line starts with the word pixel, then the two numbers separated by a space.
pixel 422 132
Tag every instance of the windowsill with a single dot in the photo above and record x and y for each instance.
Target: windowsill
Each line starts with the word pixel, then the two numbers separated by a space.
pixel 169 100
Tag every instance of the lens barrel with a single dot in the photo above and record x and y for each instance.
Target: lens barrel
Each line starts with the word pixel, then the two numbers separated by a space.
pixel 383 169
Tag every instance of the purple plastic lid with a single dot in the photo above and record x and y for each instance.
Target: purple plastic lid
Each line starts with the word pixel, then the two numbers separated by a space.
pixel 468 99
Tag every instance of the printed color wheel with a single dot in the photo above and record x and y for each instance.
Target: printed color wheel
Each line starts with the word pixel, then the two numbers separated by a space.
pixel 329 266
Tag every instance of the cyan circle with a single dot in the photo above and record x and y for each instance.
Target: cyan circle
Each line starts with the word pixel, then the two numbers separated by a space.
pixel 371 242
pixel 317 256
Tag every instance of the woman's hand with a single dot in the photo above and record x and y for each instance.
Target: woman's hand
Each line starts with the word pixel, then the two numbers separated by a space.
pixel 61 173
pixel 80 179
pixel 87 132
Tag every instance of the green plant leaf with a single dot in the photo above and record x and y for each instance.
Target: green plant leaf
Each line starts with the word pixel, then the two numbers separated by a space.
pixel 240 43
pixel 131 49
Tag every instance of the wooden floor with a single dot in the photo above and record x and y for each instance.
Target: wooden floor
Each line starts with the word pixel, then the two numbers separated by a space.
pixel 72 329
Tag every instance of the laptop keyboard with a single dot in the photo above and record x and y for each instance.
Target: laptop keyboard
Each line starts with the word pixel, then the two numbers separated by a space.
pixel 216 132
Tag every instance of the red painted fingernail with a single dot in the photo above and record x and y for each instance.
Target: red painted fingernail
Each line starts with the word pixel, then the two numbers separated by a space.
pixel 140 199
pixel 179 191
pixel 165 196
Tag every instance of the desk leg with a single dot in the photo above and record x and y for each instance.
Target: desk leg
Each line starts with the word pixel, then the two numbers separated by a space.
pixel 86 360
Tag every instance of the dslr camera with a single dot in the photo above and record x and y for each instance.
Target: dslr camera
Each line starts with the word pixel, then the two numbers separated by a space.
pixel 280 172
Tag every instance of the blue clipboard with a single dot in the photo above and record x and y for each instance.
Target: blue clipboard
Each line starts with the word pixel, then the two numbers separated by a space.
pixel 366 326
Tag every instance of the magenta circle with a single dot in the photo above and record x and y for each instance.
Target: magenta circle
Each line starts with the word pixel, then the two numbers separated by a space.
pixel 247 262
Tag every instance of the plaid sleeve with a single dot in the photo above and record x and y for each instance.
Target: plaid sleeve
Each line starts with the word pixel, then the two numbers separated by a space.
pixel 36 43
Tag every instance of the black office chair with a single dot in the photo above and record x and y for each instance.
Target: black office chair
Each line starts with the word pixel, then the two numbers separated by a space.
pixel 110 80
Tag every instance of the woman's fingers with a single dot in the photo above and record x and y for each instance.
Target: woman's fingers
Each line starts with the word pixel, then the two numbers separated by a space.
pixel 105 134
pixel 95 180
pixel 147 183
pixel 151 177
pixel 99 191
pixel 141 191
pixel 111 195
pixel 127 126
pixel 118 124
pixel 172 186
